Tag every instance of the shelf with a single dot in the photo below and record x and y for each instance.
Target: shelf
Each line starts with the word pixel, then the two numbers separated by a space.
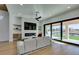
pixel 16 25
pixel 16 29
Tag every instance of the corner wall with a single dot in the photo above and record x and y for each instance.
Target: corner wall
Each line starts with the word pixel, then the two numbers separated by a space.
pixel 4 26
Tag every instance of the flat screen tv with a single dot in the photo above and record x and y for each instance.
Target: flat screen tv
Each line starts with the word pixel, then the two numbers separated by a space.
pixel 29 26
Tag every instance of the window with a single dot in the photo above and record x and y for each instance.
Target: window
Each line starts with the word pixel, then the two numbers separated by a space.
pixel 66 30
pixel 56 28
pixel 48 30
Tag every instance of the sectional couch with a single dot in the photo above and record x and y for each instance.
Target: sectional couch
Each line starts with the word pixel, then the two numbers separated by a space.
pixel 32 44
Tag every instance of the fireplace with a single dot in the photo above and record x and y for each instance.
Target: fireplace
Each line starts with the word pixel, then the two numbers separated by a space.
pixel 30 34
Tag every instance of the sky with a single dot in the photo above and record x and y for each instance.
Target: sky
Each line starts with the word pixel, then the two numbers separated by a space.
pixel 74 26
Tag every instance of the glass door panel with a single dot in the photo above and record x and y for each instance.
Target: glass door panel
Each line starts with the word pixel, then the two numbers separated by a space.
pixel 48 30
pixel 56 31
pixel 71 31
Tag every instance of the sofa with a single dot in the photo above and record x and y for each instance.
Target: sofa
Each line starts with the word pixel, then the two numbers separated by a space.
pixel 31 44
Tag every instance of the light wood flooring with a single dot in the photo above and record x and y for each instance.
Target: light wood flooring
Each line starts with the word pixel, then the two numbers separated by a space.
pixel 7 48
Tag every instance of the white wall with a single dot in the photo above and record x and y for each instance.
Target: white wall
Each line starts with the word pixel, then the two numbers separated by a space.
pixel 4 26
pixel 15 11
pixel 29 31
pixel 16 21
pixel 13 20
pixel 64 16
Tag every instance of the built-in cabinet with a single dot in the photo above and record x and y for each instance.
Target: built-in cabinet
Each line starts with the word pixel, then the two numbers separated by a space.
pixel 17 32
pixel 28 26
pixel 17 29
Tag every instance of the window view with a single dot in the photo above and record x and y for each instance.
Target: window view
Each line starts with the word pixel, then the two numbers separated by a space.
pixel 65 32
pixel 56 31
pixel 47 31
pixel 71 31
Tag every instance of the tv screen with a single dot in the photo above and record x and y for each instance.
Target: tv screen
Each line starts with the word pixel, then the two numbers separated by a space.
pixel 29 26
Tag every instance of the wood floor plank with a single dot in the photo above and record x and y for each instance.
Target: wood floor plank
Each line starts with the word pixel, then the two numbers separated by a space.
pixel 7 48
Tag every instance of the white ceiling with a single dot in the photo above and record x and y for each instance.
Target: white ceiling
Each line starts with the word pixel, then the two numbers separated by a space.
pixel 46 10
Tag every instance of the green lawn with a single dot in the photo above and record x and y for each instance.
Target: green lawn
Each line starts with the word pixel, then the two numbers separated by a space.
pixel 71 37
pixel 74 37
pixel 56 35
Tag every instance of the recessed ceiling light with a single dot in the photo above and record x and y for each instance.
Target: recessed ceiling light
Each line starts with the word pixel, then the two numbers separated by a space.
pixel 68 7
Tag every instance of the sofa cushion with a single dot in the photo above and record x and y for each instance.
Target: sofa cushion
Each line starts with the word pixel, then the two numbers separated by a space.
pixel 29 45
pixel 20 47
pixel 42 41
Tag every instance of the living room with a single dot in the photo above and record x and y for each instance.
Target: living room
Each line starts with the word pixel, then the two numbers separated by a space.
pixel 39 29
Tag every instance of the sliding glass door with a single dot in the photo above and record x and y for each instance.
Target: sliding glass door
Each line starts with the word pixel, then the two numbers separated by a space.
pixel 56 31
pixel 71 31
pixel 67 31
pixel 48 30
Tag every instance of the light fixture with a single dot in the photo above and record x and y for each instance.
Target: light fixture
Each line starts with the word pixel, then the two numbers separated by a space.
pixel 37 16
pixel 68 7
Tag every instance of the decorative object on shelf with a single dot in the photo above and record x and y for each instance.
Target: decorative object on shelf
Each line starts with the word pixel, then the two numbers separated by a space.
pixel 17 27
pixel 40 35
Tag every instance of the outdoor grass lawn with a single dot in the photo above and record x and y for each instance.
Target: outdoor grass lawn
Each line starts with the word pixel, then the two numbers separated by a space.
pixel 74 37
pixel 71 37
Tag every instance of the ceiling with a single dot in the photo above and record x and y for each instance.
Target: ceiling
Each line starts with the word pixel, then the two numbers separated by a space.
pixel 3 7
pixel 45 10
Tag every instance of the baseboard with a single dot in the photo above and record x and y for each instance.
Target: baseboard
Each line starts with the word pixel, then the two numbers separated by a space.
pixel 3 41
